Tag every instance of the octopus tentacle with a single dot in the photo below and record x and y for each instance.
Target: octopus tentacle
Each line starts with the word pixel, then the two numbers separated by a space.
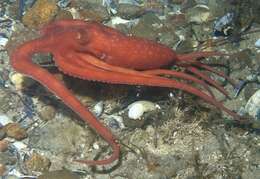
pixel 90 60
pixel 121 78
pixel 180 75
pixel 195 56
pixel 208 68
pixel 21 60
pixel 208 79
pixel 193 59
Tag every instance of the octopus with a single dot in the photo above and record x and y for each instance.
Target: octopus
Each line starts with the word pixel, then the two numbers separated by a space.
pixel 92 51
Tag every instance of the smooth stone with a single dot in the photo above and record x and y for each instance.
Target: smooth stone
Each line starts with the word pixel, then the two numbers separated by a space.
pixel 257 43
pixel 253 105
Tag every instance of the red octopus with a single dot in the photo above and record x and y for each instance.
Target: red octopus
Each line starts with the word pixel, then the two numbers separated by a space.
pixel 92 51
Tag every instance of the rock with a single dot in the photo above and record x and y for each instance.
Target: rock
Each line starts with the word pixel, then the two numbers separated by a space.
pixel 169 39
pixel 2 169
pixel 3 145
pixel 2 134
pixel 64 174
pixel 94 12
pixel 199 14
pixel 148 27
pixel 253 105
pixel 19 146
pixel 15 131
pixel 4 120
pixel 37 163
pixel 202 32
pixel 128 11
pixel 20 81
pixel 63 15
pixel 177 20
pixel 47 112
pixel 257 43
pixel 61 136
pixel 7 159
pixel 41 13
pixel 249 90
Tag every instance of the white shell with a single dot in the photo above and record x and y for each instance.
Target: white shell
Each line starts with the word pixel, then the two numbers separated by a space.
pixel 19 145
pixel 138 108
pixel 96 146
pixel 253 105
pixel 119 20
pixel 98 108
pixel 257 43
pixel 4 120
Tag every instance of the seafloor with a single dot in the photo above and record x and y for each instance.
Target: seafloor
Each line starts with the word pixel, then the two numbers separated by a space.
pixel 163 133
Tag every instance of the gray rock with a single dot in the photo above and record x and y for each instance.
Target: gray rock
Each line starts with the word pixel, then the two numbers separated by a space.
pixel 61 136
pixel 257 43
pixel 253 105
pixel 65 174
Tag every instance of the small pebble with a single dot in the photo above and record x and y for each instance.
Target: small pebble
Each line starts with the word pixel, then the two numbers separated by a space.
pixel 3 145
pixel 199 14
pixel 2 133
pixel 6 158
pixel 47 112
pixel 37 163
pixel 15 131
pixel 20 81
pixel 19 145
pixel 257 43
pixel 41 13
pixel 4 120
pixel 2 169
